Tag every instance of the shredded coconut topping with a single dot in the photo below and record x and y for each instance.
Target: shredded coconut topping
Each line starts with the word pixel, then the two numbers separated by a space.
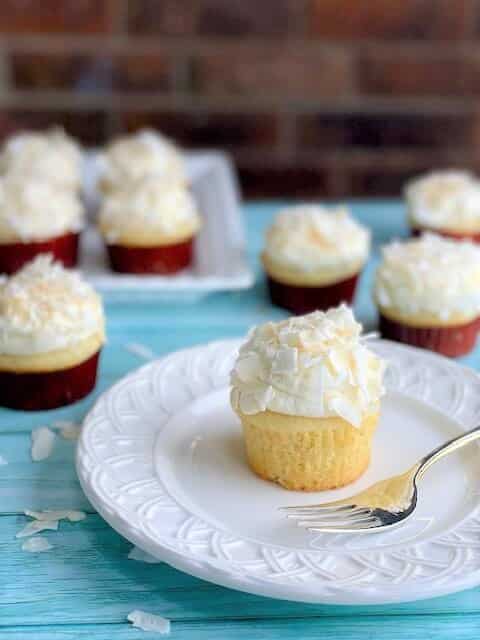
pixel 431 275
pixel 313 365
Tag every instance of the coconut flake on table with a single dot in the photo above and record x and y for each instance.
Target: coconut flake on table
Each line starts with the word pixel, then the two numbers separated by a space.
pixel 149 622
pixel 35 526
pixel 43 440
pixel 140 350
pixel 142 556
pixel 59 514
pixel 36 545
pixel 3 461
pixel 68 430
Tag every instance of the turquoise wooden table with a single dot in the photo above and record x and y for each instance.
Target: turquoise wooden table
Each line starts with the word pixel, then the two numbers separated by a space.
pixel 85 586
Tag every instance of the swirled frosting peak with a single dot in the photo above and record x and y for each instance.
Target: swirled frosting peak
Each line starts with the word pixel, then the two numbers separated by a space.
pixel 314 365
pixel 448 200
pixel 45 307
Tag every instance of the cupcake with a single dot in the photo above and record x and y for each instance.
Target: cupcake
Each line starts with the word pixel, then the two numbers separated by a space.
pixel 307 391
pixel 52 157
pixel 313 257
pixel 446 202
pixel 149 227
pixel 37 217
pixel 135 156
pixel 51 334
pixel 428 293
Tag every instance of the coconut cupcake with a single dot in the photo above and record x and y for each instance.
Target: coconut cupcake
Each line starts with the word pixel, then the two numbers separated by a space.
pixel 307 391
pixel 428 293
pixel 51 156
pixel 130 158
pixel 313 257
pixel 149 227
pixel 51 333
pixel 446 202
pixel 37 217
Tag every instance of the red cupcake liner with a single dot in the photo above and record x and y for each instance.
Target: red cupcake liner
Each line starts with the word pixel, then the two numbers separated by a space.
pixel 453 235
pixel 449 341
pixel 63 248
pixel 50 389
pixel 163 260
pixel 300 300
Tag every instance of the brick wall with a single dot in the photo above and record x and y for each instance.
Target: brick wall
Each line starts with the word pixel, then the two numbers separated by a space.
pixel 313 97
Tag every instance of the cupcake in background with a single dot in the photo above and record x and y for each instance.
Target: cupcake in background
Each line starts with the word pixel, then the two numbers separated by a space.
pixel 313 257
pixel 49 156
pixel 446 202
pixel 149 227
pixel 307 391
pixel 130 158
pixel 427 291
pixel 52 329
pixel 37 217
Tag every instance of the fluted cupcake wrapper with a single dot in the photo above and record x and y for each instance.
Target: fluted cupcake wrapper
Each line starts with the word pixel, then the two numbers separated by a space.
pixel 453 235
pixel 15 255
pixel 161 260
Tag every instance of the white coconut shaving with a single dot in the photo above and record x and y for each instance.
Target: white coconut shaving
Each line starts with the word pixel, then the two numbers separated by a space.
pixel 59 514
pixel 36 526
pixel 43 440
pixel 142 556
pixel 3 461
pixel 140 350
pixel 36 545
pixel 149 622
pixel 68 430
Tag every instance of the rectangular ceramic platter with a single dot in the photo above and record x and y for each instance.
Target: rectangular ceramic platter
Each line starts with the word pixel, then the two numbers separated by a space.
pixel 220 251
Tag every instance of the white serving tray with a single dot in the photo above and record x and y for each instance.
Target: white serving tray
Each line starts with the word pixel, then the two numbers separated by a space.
pixel 220 261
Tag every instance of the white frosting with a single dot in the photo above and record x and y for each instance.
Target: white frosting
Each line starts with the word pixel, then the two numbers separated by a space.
pixel 310 237
pixel 313 365
pixel 135 156
pixel 447 200
pixel 32 209
pixel 50 156
pixel 45 307
pixel 152 204
pixel 431 275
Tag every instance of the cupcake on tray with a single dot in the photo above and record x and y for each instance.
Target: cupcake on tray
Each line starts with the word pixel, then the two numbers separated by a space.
pixel 307 391
pixel 51 333
pixel 313 257
pixel 150 226
pixel 37 217
pixel 135 156
pixel 51 156
pixel 428 293
pixel 446 202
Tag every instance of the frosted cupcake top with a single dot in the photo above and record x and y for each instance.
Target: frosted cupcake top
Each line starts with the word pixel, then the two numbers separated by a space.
pixel 429 275
pixel 135 156
pixel 152 208
pixel 314 365
pixel 51 156
pixel 308 238
pixel 33 210
pixel 448 200
pixel 45 307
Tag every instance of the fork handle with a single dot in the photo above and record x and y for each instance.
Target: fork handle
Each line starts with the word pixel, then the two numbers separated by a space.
pixel 447 448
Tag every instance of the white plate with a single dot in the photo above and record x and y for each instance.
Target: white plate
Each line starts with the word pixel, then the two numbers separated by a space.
pixel 220 248
pixel 161 458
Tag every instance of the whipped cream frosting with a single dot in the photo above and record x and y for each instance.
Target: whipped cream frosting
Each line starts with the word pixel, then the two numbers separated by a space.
pixel 135 156
pixel 307 238
pixel 33 209
pixel 52 156
pixel 448 200
pixel 432 275
pixel 152 204
pixel 312 366
pixel 45 307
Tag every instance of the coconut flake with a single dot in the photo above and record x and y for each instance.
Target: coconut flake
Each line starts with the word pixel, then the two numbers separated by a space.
pixel 37 545
pixel 142 556
pixel 68 430
pixel 140 350
pixel 59 514
pixel 3 461
pixel 36 526
pixel 42 443
pixel 149 622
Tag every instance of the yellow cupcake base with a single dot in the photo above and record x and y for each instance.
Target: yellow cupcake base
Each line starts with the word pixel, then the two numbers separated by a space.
pixel 307 454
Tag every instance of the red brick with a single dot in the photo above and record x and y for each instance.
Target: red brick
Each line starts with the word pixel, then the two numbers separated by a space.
pixel 56 16
pixel 417 19
pixel 282 70
pixel 213 129
pixel 215 17
pixel 84 72
pixel 283 181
